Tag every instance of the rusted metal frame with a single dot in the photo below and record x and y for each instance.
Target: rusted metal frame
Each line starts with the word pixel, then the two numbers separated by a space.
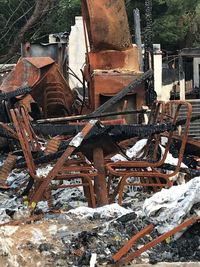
pixel 19 126
pixel 186 131
pixel 76 168
pixel 147 174
pixel 79 168
pixel 59 164
pixel 32 136
pixel 6 168
pixel 157 110
pixel 157 240
pixel 86 184
pixel 129 164
pixel 100 184
pixel 11 132
pixel 159 114
pixel 148 229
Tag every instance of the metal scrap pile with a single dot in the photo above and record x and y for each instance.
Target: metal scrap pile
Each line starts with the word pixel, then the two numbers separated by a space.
pixel 53 157
pixel 49 159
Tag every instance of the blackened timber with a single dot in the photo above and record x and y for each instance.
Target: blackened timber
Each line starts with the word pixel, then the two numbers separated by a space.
pixel 128 131
pixel 19 91
pixel 128 89
pixel 116 132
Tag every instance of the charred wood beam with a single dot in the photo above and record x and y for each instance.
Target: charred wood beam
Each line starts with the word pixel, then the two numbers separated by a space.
pixel 116 132
pixel 121 131
pixel 19 91
pixel 47 129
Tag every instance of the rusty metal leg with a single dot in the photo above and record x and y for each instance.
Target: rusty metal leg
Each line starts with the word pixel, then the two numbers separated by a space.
pixel 121 189
pixel 156 241
pixel 89 191
pixel 132 241
pixel 100 179
pixel 32 137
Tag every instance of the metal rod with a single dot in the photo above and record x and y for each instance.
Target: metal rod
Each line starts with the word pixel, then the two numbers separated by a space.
pixel 90 116
pixel 138 41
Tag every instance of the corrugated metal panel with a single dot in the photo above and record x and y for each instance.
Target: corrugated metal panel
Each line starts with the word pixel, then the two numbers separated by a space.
pixel 194 126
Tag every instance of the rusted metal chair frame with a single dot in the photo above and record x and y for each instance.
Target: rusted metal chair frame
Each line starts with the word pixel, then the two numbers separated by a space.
pixel 126 169
pixel 118 257
pixel 59 171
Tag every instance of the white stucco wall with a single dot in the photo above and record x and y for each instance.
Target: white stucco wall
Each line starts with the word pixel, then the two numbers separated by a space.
pixel 76 51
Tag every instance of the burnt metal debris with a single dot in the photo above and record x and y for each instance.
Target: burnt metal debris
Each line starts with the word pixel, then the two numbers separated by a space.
pixel 105 144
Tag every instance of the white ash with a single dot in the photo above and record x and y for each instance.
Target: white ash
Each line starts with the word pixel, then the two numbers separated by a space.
pixel 108 211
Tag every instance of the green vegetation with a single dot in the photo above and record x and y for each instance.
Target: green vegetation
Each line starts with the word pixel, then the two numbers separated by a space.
pixel 176 23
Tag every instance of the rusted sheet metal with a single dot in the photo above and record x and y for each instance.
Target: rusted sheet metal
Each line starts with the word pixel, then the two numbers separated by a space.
pixel 56 51
pixel 151 244
pixel 107 24
pixel 131 88
pixel 49 88
pixel 40 62
pixel 108 84
pixel 119 60
pixel 26 73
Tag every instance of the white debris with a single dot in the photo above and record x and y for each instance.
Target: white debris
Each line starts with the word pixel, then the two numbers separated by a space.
pixel 22 213
pixel 5 246
pixel 37 236
pixel 112 210
pixel 132 152
pixel 44 171
pixel 16 178
pixel 136 150
pixel 93 260
pixel 8 230
pixel 169 207
pixel 53 229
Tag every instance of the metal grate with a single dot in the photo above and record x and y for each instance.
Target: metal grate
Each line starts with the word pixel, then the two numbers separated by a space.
pixel 194 126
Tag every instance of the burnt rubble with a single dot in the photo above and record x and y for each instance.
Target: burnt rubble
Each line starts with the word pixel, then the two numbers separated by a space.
pixel 54 168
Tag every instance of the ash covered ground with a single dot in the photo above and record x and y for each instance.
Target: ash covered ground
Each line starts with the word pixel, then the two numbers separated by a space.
pixel 81 236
